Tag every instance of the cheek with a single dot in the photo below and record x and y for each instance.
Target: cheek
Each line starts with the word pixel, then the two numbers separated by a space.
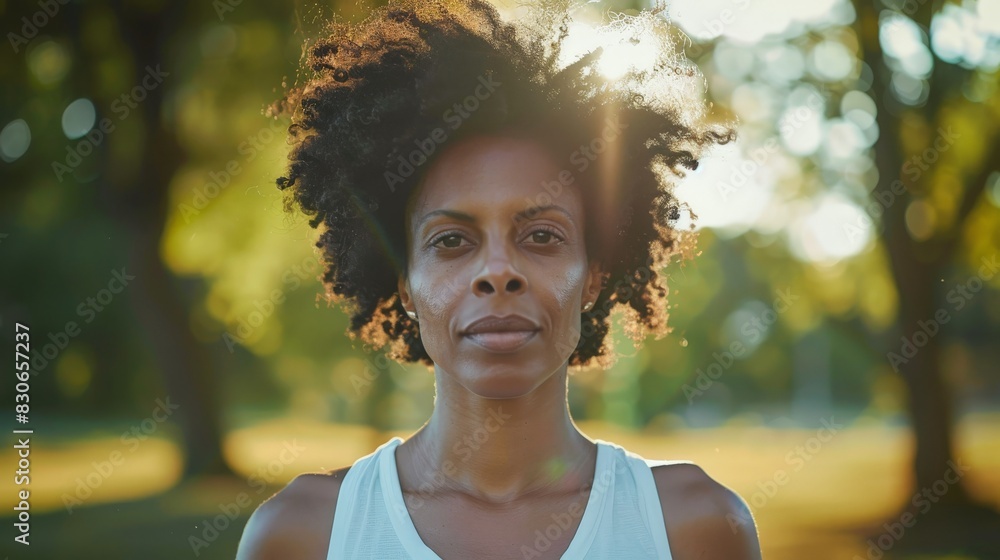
pixel 436 290
pixel 566 289
pixel 565 294
pixel 435 305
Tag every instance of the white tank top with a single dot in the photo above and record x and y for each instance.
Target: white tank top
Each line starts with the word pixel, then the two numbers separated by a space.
pixel 622 518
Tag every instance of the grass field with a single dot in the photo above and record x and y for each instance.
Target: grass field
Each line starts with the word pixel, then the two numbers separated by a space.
pixel 105 498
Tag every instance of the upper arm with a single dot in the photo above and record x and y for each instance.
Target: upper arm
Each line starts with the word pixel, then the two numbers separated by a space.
pixel 294 523
pixel 704 519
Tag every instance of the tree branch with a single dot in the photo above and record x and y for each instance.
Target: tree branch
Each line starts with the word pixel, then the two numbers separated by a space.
pixel 973 192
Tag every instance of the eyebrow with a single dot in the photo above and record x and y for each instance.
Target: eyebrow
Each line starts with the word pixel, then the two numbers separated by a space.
pixel 522 215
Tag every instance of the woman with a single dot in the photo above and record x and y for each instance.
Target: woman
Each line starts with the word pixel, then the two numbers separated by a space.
pixel 483 207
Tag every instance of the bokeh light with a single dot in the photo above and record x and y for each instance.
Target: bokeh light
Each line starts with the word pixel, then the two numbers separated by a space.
pixel 14 140
pixel 78 118
pixel 831 61
pixel 831 228
pixel 48 62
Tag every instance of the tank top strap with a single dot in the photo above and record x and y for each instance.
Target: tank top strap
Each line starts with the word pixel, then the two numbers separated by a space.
pixel 354 490
pixel 395 507
pixel 599 504
pixel 649 498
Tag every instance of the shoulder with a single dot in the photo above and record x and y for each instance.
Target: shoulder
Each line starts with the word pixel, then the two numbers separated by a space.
pixel 295 522
pixel 703 518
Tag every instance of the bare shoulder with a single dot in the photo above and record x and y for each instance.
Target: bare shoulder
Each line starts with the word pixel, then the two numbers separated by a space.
pixel 296 521
pixel 704 519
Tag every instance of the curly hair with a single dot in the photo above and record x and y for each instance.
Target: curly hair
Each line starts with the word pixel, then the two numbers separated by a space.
pixel 387 95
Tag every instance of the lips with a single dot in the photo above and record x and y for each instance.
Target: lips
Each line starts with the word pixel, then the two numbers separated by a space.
pixel 501 334
pixel 495 324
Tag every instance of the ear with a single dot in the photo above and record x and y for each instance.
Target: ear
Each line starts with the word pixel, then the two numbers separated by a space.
pixel 594 283
pixel 404 294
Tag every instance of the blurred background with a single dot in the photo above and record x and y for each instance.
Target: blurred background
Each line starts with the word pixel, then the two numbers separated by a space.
pixel 836 338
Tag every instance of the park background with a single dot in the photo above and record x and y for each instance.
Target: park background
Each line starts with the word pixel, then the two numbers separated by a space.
pixel 184 368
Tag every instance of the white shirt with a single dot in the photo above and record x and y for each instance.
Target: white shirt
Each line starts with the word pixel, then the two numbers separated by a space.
pixel 622 518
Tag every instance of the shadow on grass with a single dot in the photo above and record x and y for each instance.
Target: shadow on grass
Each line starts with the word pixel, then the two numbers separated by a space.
pixel 171 525
pixel 946 532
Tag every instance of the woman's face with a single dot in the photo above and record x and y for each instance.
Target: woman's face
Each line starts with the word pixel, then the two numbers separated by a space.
pixel 486 238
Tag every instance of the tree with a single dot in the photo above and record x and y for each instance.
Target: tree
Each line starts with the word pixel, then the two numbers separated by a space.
pixel 139 202
pixel 918 266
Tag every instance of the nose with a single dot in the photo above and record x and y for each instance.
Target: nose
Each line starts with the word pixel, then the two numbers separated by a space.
pixel 499 274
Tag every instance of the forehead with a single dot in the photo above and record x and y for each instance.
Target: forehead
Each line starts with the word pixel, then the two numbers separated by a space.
pixel 495 172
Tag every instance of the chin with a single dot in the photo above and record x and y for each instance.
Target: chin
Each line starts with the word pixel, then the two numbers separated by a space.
pixel 502 381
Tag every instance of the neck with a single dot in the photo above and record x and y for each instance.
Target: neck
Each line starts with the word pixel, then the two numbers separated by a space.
pixel 498 450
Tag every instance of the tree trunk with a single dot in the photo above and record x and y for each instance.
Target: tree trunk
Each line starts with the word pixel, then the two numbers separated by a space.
pixel 139 204
pixel 954 521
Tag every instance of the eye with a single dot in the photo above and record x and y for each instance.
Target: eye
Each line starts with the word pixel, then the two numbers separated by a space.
pixel 451 240
pixel 543 235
